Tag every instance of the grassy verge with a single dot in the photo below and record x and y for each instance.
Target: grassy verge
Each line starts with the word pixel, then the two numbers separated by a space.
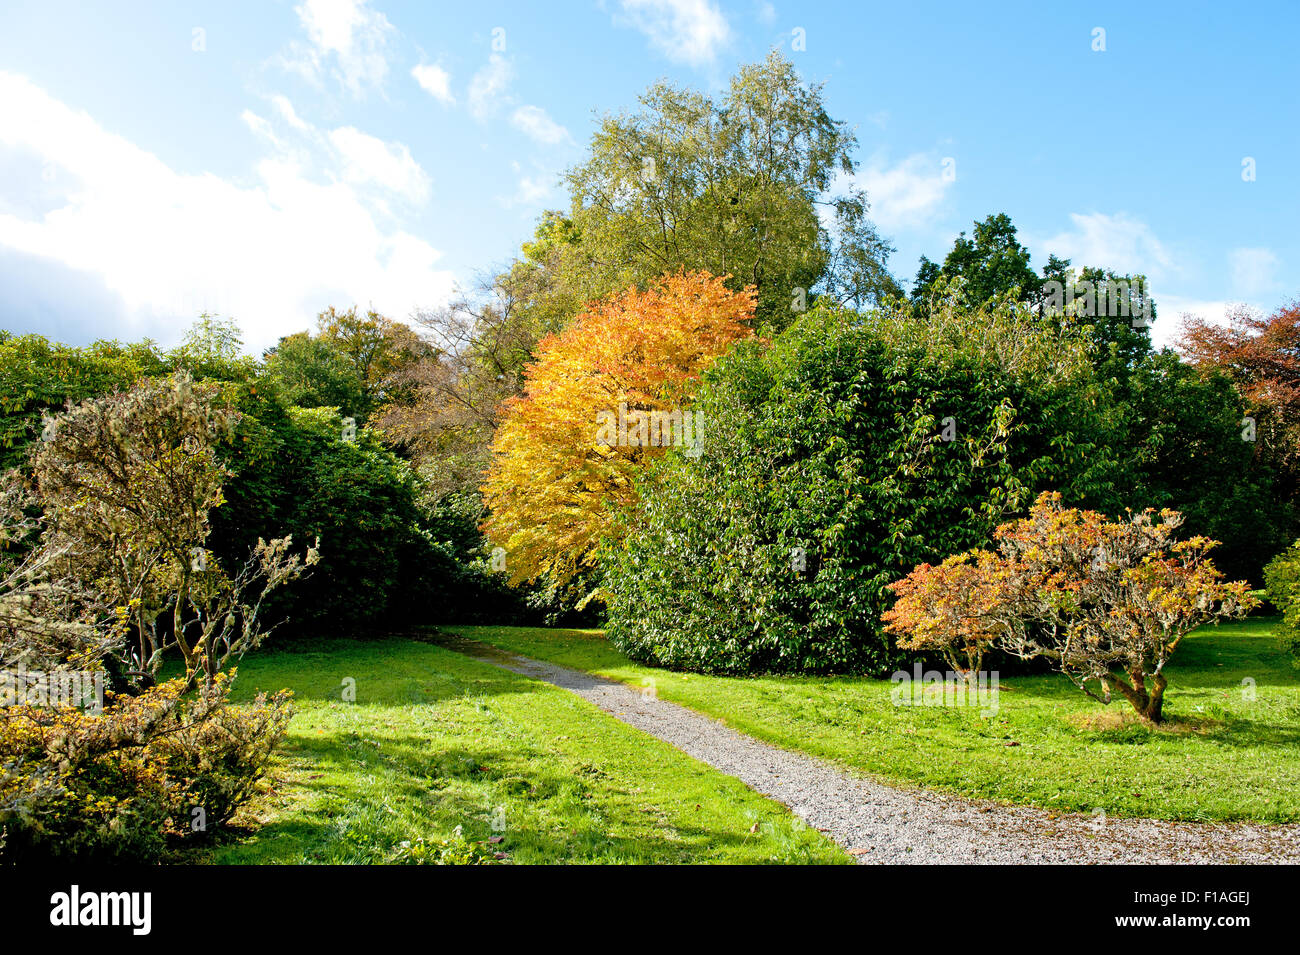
pixel 436 741
pixel 1222 756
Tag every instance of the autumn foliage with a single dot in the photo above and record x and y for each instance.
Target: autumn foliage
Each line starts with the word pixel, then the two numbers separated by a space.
pixel 1262 357
pixel 554 481
pixel 1107 602
pixel 951 609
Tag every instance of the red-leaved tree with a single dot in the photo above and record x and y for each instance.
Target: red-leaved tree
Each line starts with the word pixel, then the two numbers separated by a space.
pixel 1262 357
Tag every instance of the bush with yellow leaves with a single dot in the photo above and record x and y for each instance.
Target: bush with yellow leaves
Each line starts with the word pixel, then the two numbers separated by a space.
pixel 146 772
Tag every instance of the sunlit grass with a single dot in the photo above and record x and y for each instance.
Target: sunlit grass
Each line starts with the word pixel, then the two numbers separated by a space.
pixel 437 741
pixel 1223 755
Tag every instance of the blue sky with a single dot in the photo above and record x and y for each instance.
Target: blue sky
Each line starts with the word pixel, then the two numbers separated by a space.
pixel 266 159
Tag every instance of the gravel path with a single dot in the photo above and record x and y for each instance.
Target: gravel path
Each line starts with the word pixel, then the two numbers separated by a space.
pixel 880 823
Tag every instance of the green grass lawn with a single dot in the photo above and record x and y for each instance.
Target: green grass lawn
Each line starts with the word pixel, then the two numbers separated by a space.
pixel 1222 756
pixel 437 741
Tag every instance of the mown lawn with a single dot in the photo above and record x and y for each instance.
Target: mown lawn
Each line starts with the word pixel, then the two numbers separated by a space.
pixel 437 741
pixel 1222 756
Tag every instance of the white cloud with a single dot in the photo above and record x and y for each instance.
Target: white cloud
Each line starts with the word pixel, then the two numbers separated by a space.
pixel 535 122
pixel 766 13
pixel 686 31
pixel 487 89
pixel 288 113
pixel 1119 242
pixel 906 195
pixel 435 81
pixel 261 127
pixel 489 93
pixel 530 192
pixel 1253 271
pixel 367 160
pixel 1173 310
pixel 270 254
pixel 347 33
pixel 345 153
pixel 531 189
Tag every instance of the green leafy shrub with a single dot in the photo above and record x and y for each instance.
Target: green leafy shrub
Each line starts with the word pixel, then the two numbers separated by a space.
pixel 108 808
pixel 217 765
pixel 39 377
pixel 312 373
pixel 384 562
pixel 114 576
pixel 1282 579
pixel 1180 434
pixel 851 450
pixel 391 554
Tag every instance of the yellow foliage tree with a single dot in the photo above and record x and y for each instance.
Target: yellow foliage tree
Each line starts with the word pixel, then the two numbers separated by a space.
pixel 604 395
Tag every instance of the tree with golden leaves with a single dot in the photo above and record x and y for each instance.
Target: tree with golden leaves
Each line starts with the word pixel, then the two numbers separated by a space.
pixel 604 396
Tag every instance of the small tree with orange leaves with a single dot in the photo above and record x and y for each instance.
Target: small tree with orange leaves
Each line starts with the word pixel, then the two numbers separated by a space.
pixel 1107 602
pixel 604 396
pixel 954 609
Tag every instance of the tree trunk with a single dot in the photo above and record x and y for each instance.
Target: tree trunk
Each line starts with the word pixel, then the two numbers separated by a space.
pixel 1149 705
pixel 1155 702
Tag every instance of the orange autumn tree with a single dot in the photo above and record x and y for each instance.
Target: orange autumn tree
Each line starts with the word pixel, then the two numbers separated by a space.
pixel 955 609
pixel 604 396
pixel 1106 602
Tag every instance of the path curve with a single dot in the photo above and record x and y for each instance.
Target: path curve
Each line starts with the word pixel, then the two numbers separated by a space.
pixel 885 824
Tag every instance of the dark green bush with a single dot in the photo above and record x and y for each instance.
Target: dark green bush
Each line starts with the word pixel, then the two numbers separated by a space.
pixel 386 561
pixel 1282 576
pixel 1179 435
pixel 39 377
pixel 833 440
pixel 388 556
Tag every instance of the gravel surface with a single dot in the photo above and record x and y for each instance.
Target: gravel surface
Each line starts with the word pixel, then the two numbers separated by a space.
pixel 881 823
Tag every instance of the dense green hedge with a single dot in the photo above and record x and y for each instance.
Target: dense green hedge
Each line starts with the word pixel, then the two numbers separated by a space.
pixel 833 440
pixel 38 377
pixel 1179 435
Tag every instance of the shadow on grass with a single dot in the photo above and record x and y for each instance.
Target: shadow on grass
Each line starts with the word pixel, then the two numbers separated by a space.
pixel 384 673
pixel 1251 734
